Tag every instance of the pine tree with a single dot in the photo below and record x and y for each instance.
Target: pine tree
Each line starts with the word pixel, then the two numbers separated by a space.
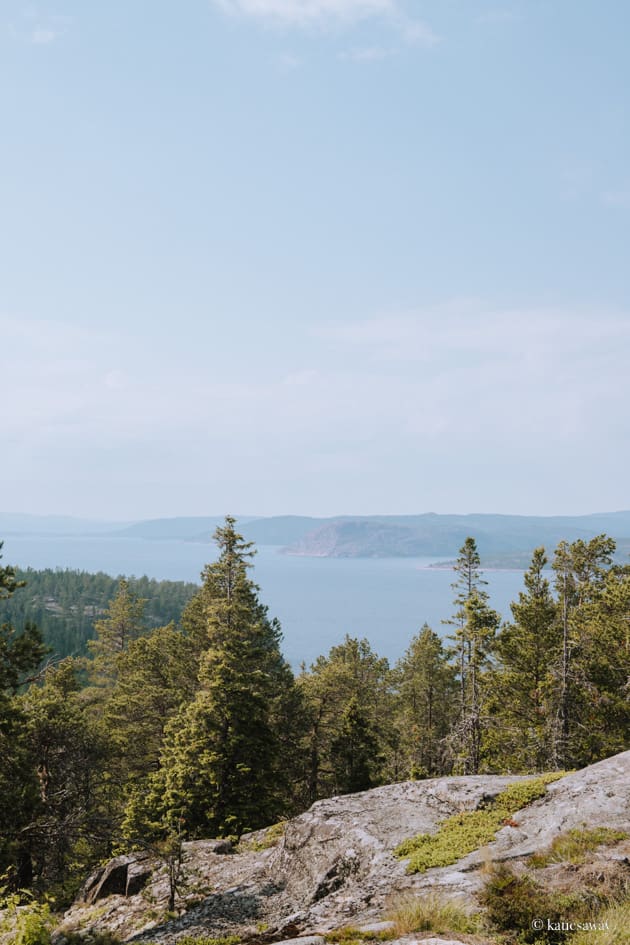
pixel 222 768
pixel 425 691
pixel 66 835
pixel 21 653
pixel 156 675
pixel 123 622
pixel 476 625
pixel 349 687
pixel 521 697
pixel 581 569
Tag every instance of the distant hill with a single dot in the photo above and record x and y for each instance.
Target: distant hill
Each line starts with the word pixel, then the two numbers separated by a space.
pixel 503 540
pixel 430 534
pixel 186 528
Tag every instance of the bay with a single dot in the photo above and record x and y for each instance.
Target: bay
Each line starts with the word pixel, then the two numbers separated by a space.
pixel 317 600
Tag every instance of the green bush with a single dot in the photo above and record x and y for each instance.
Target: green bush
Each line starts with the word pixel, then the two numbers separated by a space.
pixel 464 833
pixel 515 904
pixel 26 921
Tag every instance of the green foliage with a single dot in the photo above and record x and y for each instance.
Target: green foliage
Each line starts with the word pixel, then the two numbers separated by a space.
pixel 207 940
pixel 222 770
pixel 65 604
pixel 120 625
pixel 515 904
pixel 611 927
pixel 348 713
pixel 155 676
pixel 430 912
pixel 271 838
pixel 465 832
pixel 349 933
pixel 68 752
pixel 521 691
pixel 575 844
pixel 425 688
pixel 25 921
pixel 475 625
pixel 20 655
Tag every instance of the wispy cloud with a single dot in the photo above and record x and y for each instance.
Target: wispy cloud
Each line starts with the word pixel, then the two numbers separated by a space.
pixel 306 12
pixel 39 29
pixel 317 13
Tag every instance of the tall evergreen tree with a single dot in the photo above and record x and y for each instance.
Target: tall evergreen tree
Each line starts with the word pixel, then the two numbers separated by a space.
pixel 347 695
pixel 21 653
pixel 521 698
pixel 581 569
pixel 476 624
pixel 425 686
pixel 67 832
pixel 222 770
pixel 122 623
pixel 156 675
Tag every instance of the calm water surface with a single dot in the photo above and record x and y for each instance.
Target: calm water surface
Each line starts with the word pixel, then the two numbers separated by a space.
pixel 317 600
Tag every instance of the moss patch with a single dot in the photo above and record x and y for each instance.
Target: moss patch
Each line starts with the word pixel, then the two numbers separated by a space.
pixel 348 935
pixel 464 833
pixel 271 838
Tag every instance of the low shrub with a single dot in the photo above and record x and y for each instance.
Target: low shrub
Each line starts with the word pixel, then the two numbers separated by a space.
pixel 465 832
pixel 518 905
pixel 25 921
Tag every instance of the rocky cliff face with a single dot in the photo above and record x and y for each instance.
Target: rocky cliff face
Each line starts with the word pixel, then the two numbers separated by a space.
pixel 334 864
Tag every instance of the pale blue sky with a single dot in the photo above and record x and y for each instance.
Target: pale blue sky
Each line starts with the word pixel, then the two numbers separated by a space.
pixel 314 256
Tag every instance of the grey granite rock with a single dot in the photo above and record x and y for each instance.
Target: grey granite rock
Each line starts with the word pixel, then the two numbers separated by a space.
pixel 334 865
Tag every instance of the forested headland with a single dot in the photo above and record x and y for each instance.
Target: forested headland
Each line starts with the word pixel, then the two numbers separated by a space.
pixel 198 727
pixel 65 604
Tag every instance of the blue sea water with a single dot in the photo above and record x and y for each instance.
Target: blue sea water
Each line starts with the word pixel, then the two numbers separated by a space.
pixel 317 600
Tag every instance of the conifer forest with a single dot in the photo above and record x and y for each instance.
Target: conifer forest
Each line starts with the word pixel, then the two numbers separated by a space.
pixel 181 718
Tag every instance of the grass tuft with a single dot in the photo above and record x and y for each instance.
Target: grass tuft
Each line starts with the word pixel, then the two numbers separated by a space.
pixel 430 913
pixel 612 927
pixel 574 845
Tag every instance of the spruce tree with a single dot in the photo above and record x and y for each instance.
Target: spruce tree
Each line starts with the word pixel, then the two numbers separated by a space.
pixel 222 769
pixel 425 687
pixel 122 623
pixel 476 625
pixel 581 568
pixel 521 701
pixel 348 700
pixel 21 653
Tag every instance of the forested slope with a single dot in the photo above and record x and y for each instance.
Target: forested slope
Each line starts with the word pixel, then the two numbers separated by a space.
pixel 65 604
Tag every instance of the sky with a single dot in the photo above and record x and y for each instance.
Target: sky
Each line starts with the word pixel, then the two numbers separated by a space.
pixel 314 256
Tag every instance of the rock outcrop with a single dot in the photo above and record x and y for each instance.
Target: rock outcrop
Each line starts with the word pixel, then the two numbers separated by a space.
pixel 334 865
